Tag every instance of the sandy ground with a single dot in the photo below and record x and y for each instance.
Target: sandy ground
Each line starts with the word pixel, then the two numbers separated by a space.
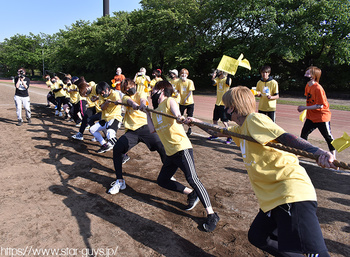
pixel 54 194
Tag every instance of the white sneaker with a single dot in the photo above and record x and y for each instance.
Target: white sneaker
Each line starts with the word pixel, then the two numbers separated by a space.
pixel 78 136
pixel 56 112
pixel 172 178
pixel 117 185
pixel 93 139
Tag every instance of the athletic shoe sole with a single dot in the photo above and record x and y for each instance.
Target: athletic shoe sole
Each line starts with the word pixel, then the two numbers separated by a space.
pixel 194 204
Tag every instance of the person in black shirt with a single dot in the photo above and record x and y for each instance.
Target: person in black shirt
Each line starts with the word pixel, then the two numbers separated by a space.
pixel 21 96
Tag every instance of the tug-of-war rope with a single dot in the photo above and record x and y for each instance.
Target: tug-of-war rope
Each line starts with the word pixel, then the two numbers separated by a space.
pixel 225 131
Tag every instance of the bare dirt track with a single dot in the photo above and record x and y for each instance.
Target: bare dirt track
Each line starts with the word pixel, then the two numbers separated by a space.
pixel 54 195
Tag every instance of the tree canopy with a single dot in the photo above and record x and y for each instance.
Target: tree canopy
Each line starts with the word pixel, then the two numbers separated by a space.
pixel 288 35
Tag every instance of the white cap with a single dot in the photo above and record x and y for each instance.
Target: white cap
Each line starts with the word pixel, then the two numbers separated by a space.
pixel 175 72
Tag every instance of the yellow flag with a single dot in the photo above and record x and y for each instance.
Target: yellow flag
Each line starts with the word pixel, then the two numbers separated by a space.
pixel 302 116
pixel 230 65
pixel 341 143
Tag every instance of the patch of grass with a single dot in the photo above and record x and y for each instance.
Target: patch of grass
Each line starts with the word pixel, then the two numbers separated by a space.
pixel 339 107
pixel 331 106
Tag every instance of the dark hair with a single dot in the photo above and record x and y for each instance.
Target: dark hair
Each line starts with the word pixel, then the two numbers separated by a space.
pixel 126 84
pixel 164 84
pixel 266 68
pixel 102 86
pixel 157 72
pixel 65 80
pixel 81 83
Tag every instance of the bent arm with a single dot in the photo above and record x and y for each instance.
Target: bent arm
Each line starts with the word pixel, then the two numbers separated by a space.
pixel 150 123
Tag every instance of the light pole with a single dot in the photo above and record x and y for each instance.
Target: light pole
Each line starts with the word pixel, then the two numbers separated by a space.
pixel 42 51
pixel 105 7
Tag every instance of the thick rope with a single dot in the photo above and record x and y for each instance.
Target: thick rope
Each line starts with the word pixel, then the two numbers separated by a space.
pixel 225 131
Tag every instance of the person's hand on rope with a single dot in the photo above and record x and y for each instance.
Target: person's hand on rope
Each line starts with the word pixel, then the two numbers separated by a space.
pixel 117 102
pixel 180 119
pixel 189 121
pixel 325 159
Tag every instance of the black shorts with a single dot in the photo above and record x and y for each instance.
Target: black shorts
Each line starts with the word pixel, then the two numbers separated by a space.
pixel 219 113
pixel 189 108
pixel 271 114
pixel 294 226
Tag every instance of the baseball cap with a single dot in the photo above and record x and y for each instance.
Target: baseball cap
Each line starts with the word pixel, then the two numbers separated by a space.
pixel 174 71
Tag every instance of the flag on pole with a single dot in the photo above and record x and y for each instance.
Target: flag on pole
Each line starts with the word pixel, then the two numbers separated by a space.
pixel 341 143
pixel 230 65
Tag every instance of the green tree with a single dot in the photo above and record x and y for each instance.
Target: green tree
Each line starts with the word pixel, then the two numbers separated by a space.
pixel 21 51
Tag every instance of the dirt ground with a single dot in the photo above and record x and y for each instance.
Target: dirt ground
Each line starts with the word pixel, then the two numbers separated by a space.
pixel 54 196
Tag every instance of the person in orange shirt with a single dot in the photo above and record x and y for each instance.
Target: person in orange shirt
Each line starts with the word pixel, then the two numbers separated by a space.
pixel 318 114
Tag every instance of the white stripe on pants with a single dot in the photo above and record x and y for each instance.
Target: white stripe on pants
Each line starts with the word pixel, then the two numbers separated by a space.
pixel 26 105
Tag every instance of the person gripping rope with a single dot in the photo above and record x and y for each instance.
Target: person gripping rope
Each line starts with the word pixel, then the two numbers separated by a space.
pixel 93 112
pixel 286 224
pixel 135 123
pixel 179 152
pixel 111 117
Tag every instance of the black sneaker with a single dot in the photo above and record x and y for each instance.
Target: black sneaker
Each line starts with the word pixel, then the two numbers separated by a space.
pixel 189 131
pixel 104 148
pixel 211 222
pixel 125 158
pixel 20 122
pixel 192 200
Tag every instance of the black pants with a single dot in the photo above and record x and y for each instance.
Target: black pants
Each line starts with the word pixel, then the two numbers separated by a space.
pixel 61 100
pixel 51 98
pixel 73 112
pixel 89 117
pixel 185 161
pixel 323 127
pixel 289 230
pixel 130 139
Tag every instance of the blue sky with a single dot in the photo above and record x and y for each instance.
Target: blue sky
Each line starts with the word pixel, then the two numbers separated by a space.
pixel 49 16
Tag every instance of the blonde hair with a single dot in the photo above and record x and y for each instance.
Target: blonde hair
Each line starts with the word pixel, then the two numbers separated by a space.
pixel 315 73
pixel 241 99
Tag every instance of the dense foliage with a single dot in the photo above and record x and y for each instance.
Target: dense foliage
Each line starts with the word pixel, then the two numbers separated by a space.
pixel 289 35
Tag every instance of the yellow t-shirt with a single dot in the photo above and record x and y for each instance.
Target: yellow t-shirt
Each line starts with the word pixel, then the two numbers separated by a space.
pixel 176 95
pixel 142 83
pixel 275 175
pixel 154 82
pixel 93 93
pixel 58 85
pixel 171 133
pixel 184 87
pixel 49 84
pixel 134 119
pixel 113 111
pixel 265 104
pixel 221 89
pixel 74 95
